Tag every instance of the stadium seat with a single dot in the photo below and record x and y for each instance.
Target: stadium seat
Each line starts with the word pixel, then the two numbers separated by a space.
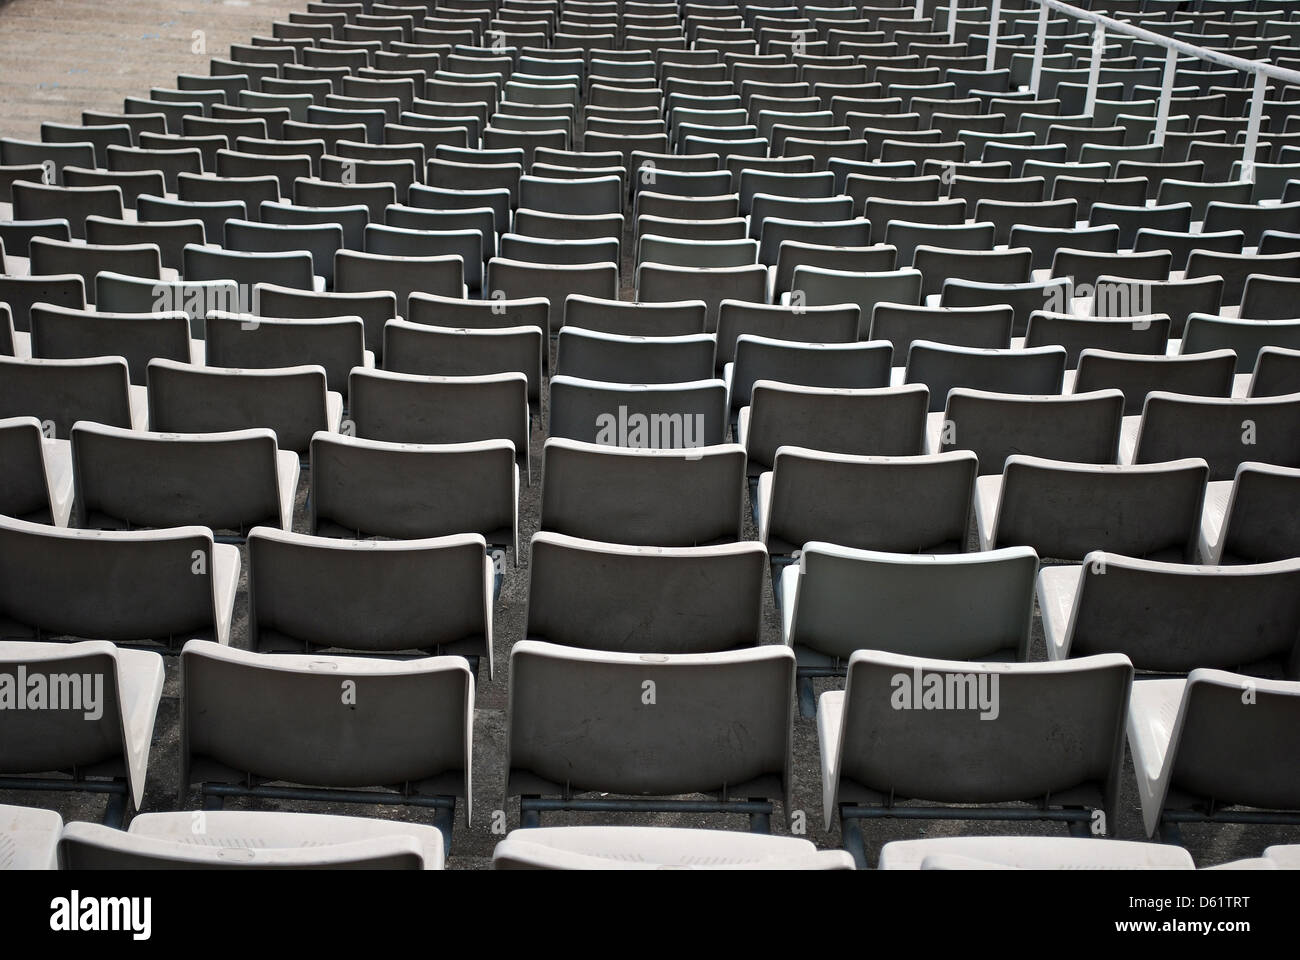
pixel 132 479
pixel 250 840
pixel 1208 374
pixel 1251 518
pixel 1066 510
pixel 125 586
pixel 231 699
pixel 1081 427
pixel 661 415
pixel 1172 617
pixel 98 732
pixel 429 490
pixel 1215 734
pixel 408 408
pixel 36 484
pixel 653 497
pixel 623 748
pixel 900 504
pixel 837 600
pixel 1034 370
pixel 1033 853
pixel 58 393
pixel 30 838
pixel 916 727
pixel 294 402
pixel 63 333
pixel 1224 432
pixel 433 595
pixel 659 848
pixel 652 600
pixel 430 350
pixel 593 355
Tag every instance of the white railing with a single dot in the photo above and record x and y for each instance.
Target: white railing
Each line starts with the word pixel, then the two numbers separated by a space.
pixel 1102 25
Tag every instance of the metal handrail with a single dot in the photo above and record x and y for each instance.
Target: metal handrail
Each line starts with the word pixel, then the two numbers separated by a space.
pixel 1262 71
pixel 1112 25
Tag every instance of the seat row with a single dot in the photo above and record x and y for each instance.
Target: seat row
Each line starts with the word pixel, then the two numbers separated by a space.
pixel 1134 536
pixel 717 724
pixel 249 840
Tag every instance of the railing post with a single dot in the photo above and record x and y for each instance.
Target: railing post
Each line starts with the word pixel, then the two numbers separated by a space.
pixel 1040 44
pixel 1252 128
pixel 1094 68
pixel 919 12
pixel 952 22
pixel 1166 95
pixel 1262 72
pixel 991 62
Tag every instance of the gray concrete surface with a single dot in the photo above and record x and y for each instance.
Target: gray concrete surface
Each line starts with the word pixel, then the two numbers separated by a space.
pixel 59 57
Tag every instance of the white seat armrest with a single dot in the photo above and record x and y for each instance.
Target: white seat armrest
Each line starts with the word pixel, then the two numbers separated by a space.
pixel 288 469
pixel 1152 714
pixel 139 400
pixel 1057 588
pixel 830 710
pixel 225 581
pixel 58 475
pixel 1129 429
pixel 988 493
pixel 333 410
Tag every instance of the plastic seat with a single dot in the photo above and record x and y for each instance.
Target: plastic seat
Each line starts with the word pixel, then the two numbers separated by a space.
pixel 1079 428
pixel 1033 853
pixel 659 283
pixel 475 485
pixel 409 408
pixel 427 350
pixel 58 393
pixel 832 365
pixel 247 839
pixel 293 269
pixel 56 258
pixel 128 586
pixel 449 578
pixel 1215 733
pixel 658 848
pixel 31 838
pixel 322 241
pixel 129 479
pixel 555 690
pixel 1026 755
pixel 1147 511
pixel 660 497
pixel 1246 338
pixel 106 735
pixel 36 484
pixel 1224 431
pixel 664 415
pixel 975 606
pixel 60 333
pixel 1277 371
pixel 516 279
pixel 886 421
pixel 900 504
pixel 231 699
pixel 1171 617
pixel 623 598
pixel 356 272
pixel 294 402
pixel 631 319
pixel 170 237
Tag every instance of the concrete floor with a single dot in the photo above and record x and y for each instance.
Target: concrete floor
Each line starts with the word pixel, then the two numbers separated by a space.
pixel 59 57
